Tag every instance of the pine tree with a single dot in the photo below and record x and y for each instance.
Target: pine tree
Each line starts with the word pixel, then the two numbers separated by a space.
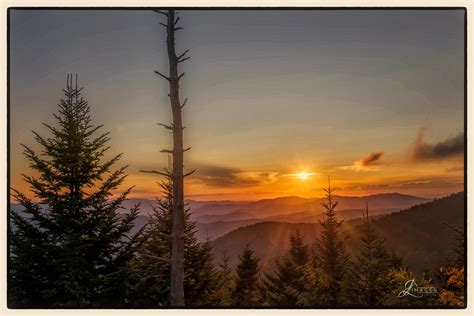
pixel 201 278
pixel 153 262
pixel 247 281
pixel 286 283
pixel 223 294
pixel 71 248
pixel 451 277
pixel 371 277
pixel 331 261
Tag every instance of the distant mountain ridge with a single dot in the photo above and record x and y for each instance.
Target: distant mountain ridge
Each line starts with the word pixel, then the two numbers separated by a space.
pixel 293 204
pixel 215 218
pixel 281 205
pixel 419 234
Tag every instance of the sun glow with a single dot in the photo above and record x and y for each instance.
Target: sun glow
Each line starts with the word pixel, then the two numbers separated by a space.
pixel 303 175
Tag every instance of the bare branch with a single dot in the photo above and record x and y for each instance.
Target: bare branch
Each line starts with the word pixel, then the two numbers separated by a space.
pixel 181 76
pixel 189 173
pixel 170 127
pixel 184 103
pixel 157 258
pixel 161 12
pixel 183 59
pixel 176 21
pixel 157 172
pixel 182 55
pixel 159 73
pixel 184 150
pixel 164 235
pixel 163 24
pixel 178 28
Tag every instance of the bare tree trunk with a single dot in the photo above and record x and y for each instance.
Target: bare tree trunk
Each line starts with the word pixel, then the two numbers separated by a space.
pixel 177 175
pixel 177 248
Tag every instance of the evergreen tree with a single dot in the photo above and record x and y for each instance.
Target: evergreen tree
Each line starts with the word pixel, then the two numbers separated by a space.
pixel 331 259
pixel 371 276
pixel 72 248
pixel 223 294
pixel 285 284
pixel 201 278
pixel 153 265
pixel 247 281
pixel 451 277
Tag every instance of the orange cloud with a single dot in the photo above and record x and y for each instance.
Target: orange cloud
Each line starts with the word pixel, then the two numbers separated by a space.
pixel 369 162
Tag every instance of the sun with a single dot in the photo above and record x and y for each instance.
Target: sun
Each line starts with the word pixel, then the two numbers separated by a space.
pixel 303 175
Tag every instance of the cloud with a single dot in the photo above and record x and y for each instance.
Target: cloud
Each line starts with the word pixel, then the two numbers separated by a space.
pixel 364 187
pixel 218 176
pixel 450 147
pixel 435 183
pixel 369 162
pixel 373 159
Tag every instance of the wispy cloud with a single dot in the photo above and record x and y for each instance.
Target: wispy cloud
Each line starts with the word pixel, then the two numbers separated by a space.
pixel 450 147
pixel 370 162
pixel 219 176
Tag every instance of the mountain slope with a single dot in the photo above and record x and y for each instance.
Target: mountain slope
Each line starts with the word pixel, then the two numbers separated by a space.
pixel 418 234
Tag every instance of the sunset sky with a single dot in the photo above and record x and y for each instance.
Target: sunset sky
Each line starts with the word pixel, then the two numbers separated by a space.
pixel 373 99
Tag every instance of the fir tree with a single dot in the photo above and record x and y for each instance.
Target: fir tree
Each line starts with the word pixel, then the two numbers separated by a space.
pixel 153 265
pixel 286 283
pixel 71 248
pixel 451 276
pixel 331 259
pixel 223 294
pixel 371 275
pixel 201 278
pixel 247 281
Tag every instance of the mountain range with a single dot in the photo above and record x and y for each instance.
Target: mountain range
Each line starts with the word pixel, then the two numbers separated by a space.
pixel 413 227
pixel 419 234
pixel 216 218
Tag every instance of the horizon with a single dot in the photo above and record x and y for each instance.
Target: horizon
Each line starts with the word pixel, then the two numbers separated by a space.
pixel 191 198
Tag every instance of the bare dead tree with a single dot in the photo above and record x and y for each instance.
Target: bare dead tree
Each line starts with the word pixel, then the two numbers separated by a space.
pixel 176 174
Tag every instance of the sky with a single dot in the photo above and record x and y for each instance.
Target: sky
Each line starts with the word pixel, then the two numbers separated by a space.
pixel 278 100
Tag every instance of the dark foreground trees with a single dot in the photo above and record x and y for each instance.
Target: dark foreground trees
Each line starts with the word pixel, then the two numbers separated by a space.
pixel 246 291
pixel 331 258
pixel 152 264
pixel 73 247
pixel 284 286
pixel 452 275
pixel 372 273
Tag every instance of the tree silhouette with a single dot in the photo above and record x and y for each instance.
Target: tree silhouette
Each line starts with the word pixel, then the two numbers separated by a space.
pixel 223 294
pixel 285 284
pixel 247 281
pixel 152 265
pixel 72 248
pixel 452 275
pixel 176 175
pixel 331 259
pixel 371 275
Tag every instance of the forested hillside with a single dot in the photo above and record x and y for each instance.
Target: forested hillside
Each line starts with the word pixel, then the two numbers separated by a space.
pixel 418 234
